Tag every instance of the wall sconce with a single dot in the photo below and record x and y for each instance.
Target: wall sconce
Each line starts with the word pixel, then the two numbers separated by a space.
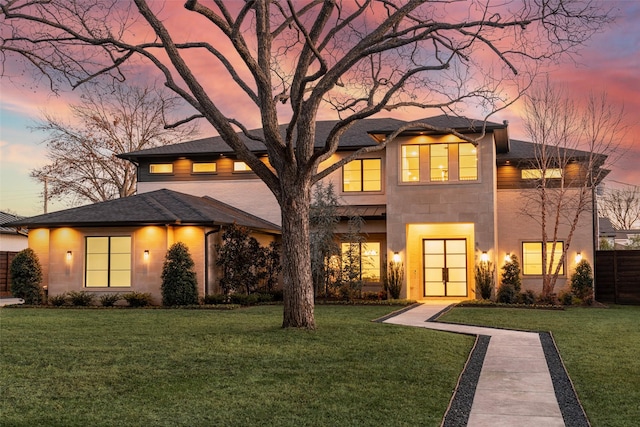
pixel 146 255
pixel 507 257
pixel 69 256
pixel 396 257
pixel 578 257
pixel 484 257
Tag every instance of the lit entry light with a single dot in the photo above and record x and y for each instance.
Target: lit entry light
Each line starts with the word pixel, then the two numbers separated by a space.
pixel 507 257
pixel 396 257
pixel 578 257
pixel 484 257
pixel 69 255
pixel 146 254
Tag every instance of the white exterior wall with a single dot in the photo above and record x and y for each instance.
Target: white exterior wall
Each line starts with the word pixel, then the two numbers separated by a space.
pixel 13 242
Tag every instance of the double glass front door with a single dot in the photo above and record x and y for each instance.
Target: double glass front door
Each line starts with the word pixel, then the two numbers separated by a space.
pixel 445 267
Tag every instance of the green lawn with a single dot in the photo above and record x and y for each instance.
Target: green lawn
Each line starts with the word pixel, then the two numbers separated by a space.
pixel 600 348
pixel 125 367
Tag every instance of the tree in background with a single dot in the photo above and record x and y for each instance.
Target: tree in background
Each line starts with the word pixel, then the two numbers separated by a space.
pixel 575 145
pixel 621 206
pixel 26 277
pixel 323 221
pixel 179 282
pixel 83 164
pixel 288 60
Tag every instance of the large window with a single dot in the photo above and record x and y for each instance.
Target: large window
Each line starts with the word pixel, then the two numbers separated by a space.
pixel 439 162
pixel 108 262
pixel 532 257
pixel 362 175
pixel 241 167
pixel 203 167
pixel 553 173
pixel 367 259
pixel 161 168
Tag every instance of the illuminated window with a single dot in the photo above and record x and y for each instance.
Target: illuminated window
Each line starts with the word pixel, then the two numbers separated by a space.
pixel 367 259
pixel 537 173
pixel 201 167
pixel 161 168
pixel 362 175
pixel 108 262
pixel 532 257
pixel 410 163
pixel 446 162
pixel 439 162
pixel 467 162
pixel 241 167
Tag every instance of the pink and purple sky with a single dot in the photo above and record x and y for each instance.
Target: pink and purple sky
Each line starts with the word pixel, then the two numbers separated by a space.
pixel 609 63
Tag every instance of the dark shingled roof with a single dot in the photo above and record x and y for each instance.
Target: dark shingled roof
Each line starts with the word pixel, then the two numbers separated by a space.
pixel 523 150
pixel 7 217
pixel 154 208
pixel 356 136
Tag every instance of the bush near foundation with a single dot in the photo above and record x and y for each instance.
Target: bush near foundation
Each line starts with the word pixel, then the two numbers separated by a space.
pixel 179 283
pixel 137 299
pixel 26 277
pixel 582 281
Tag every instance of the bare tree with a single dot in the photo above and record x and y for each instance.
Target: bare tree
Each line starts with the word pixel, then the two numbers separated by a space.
pixel 621 206
pixel 287 58
pixel 574 146
pixel 108 121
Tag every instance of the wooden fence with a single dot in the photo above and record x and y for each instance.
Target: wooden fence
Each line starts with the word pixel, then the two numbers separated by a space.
pixel 617 277
pixel 5 261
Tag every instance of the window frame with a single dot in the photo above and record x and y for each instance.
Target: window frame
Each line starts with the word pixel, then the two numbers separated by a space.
pixel 362 174
pixel 110 255
pixel 214 171
pixel 525 257
pixel 426 173
pixel 361 263
pixel 151 167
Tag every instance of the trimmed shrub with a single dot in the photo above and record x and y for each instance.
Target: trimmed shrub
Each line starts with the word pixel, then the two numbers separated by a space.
pixel 179 283
pixel 244 299
pixel 137 299
pixel 550 299
pixel 507 294
pixel 566 298
pixel 511 274
pixel 81 298
pixel 215 299
pixel 58 300
pixel 26 277
pixel 109 300
pixel 582 280
pixel 527 297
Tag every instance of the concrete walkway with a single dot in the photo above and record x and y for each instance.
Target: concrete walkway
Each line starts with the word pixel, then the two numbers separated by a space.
pixel 515 386
pixel 9 301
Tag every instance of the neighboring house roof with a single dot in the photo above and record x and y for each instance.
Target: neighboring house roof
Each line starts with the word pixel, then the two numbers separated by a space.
pixel 605 227
pixel 7 217
pixel 354 137
pixel 523 150
pixel 160 207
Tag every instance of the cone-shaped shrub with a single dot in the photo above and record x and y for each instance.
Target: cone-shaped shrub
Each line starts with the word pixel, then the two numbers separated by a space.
pixel 582 280
pixel 26 277
pixel 179 283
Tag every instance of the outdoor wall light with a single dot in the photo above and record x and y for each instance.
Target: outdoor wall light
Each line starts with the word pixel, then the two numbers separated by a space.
pixel 484 257
pixel 578 257
pixel 396 257
pixel 69 256
pixel 507 257
pixel 146 254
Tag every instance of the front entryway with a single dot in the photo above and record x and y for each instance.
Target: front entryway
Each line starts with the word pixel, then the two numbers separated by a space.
pixel 445 267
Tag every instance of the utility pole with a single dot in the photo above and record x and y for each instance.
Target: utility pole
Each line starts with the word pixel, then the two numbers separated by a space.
pixel 46 193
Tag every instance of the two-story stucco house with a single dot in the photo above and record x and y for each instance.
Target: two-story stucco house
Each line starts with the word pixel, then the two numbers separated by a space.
pixel 438 202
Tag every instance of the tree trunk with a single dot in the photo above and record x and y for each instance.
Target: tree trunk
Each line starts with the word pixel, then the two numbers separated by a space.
pixel 296 271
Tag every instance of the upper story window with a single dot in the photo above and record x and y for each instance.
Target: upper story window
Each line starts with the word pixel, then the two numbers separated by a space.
pixel 439 162
pixel 241 167
pixel 362 175
pixel 203 167
pixel 532 257
pixel 161 168
pixel 108 261
pixel 538 173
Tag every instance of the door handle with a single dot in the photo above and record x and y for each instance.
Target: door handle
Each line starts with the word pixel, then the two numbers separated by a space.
pixel 445 274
